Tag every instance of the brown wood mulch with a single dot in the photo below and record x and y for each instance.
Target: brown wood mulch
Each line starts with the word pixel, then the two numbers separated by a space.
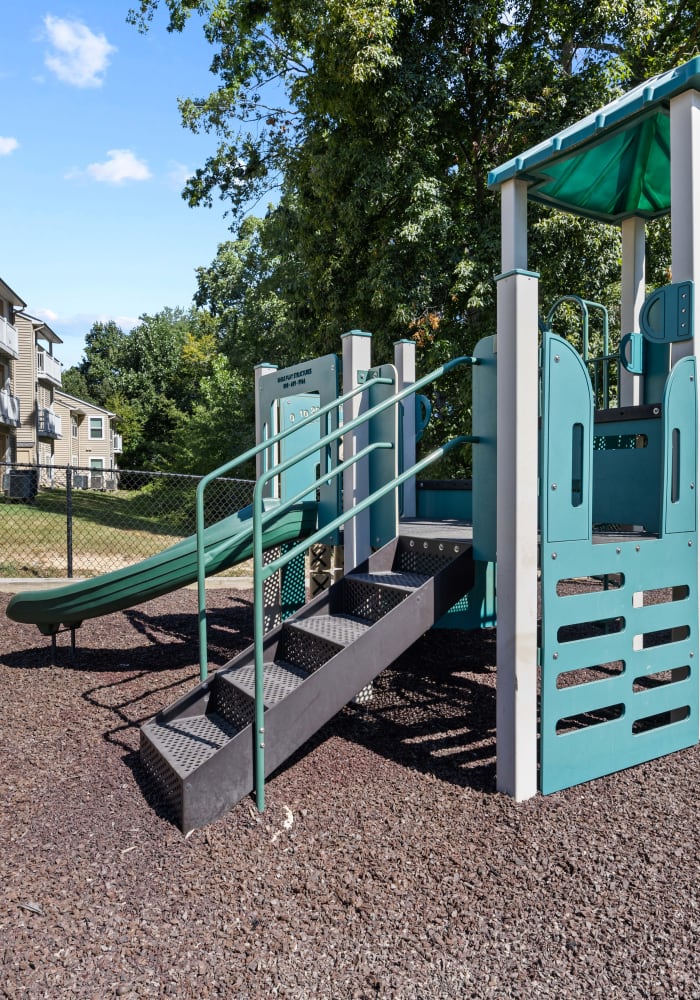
pixel 386 864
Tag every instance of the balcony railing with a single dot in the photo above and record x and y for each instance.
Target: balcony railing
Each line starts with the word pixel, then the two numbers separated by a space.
pixel 9 341
pixel 48 424
pixel 117 443
pixel 9 409
pixel 48 368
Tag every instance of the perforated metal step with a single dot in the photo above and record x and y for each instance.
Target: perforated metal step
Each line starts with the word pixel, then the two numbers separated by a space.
pixel 373 595
pixel 391 578
pixel 186 743
pixel 311 642
pixel 279 679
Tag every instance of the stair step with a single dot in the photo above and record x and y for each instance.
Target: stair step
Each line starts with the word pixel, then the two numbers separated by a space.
pixel 339 629
pixel 391 578
pixel 279 679
pixel 186 743
pixel 310 642
pixel 372 595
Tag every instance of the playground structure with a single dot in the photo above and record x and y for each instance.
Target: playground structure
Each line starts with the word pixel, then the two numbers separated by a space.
pixel 604 523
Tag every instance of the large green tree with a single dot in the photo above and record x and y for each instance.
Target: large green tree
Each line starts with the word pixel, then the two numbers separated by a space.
pixel 376 123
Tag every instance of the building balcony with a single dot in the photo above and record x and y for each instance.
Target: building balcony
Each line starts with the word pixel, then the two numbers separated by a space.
pixel 9 409
pixel 48 368
pixel 48 424
pixel 117 444
pixel 9 341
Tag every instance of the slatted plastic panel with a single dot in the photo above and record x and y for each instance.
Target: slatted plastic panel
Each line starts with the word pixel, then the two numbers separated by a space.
pixel 619 675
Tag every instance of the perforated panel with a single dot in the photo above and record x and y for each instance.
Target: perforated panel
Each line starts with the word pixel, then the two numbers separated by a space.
pixel 161 773
pixel 233 704
pixel 366 597
pixel 312 642
pixel 418 555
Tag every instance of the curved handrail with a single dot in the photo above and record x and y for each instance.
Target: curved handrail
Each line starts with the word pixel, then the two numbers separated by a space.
pixel 305 453
pixel 226 467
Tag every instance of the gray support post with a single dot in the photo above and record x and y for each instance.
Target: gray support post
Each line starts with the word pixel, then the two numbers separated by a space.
pixel 357 358
pixel 685 202
pixel 516 504
pixel 261 419
pixel 405 363
pixel 631 300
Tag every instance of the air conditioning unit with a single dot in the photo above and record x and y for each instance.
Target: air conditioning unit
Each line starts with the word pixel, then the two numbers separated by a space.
pixel 97 482
pixel 80 481
pixel 110 484
pixel 6 482
pixel 23 484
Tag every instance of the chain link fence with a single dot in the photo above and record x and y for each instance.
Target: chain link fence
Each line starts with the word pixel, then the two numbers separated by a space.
pixel 58 521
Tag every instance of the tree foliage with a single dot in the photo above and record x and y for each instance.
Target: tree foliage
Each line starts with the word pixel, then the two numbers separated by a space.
pixel 180 407
pixel 375 123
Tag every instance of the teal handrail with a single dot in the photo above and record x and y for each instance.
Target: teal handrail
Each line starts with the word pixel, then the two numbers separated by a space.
pixel 263 572
pixel 585 305
pixel 220 471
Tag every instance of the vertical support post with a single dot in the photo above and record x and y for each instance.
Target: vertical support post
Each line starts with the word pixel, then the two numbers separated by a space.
pixel 685 209
pixel 405 363
pixel 262 459
pixel 69 522
pixel 516 503
pixel 685 202
pixel 357 357
pixel 631 300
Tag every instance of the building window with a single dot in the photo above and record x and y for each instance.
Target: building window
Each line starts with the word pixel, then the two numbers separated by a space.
pixel 97 464
pixel 96 429
pixel 73 426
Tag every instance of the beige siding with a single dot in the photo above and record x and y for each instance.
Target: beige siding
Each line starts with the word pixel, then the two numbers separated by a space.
pixel 25 388
pixel 81 451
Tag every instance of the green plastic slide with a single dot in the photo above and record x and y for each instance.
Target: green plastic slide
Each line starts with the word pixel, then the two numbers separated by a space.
pixel 226 543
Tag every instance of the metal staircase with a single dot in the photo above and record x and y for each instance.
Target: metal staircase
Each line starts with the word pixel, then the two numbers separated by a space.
pixel 200 752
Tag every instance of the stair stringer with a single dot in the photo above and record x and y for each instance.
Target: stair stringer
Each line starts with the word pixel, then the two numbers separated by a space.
pixel 227 776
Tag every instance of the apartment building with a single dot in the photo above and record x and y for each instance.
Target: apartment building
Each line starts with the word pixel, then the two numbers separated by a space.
pixel 89 440
pixel 37 377
pixel 10 408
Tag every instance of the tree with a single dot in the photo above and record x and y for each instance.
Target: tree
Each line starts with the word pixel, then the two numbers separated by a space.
pixel 378 123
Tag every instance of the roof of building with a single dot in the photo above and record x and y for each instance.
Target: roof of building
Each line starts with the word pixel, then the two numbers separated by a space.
pixel 7 293
pixel 614 163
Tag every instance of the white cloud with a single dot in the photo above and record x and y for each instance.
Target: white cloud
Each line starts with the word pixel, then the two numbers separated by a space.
pixel 78 56
pixel 121 165
pixel 7 145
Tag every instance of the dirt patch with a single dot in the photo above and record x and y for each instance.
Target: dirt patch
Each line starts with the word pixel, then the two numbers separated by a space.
pixel 386 865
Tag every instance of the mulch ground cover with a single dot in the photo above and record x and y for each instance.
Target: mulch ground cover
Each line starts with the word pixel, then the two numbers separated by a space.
pixel 386 865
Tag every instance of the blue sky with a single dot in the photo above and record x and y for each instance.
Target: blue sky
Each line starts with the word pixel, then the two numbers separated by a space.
pixel 92 162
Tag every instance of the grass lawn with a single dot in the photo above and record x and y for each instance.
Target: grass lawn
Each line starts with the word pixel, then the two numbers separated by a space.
pixel 109 530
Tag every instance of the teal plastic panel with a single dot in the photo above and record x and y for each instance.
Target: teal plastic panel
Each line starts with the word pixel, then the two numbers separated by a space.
pixel 667 314
pixel 317 378
pixel 477 609
pixel 643 702
pixel 383 463
pixel 294 409
pixel 439 499
pixel 680 442
pixel 627 469
pixel 567 442
pixel 484 455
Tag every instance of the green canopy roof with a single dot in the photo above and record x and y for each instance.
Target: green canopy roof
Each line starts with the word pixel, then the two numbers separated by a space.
pixel 614 163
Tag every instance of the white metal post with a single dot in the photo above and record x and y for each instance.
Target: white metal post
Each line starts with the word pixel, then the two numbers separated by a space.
pixel 632 299
pixel 685 202
pixel 261 419
pixel 516 504
pixel 405 362
pixel 357 357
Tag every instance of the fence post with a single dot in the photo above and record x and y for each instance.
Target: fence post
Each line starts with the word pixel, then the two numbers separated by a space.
pixel 69 520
